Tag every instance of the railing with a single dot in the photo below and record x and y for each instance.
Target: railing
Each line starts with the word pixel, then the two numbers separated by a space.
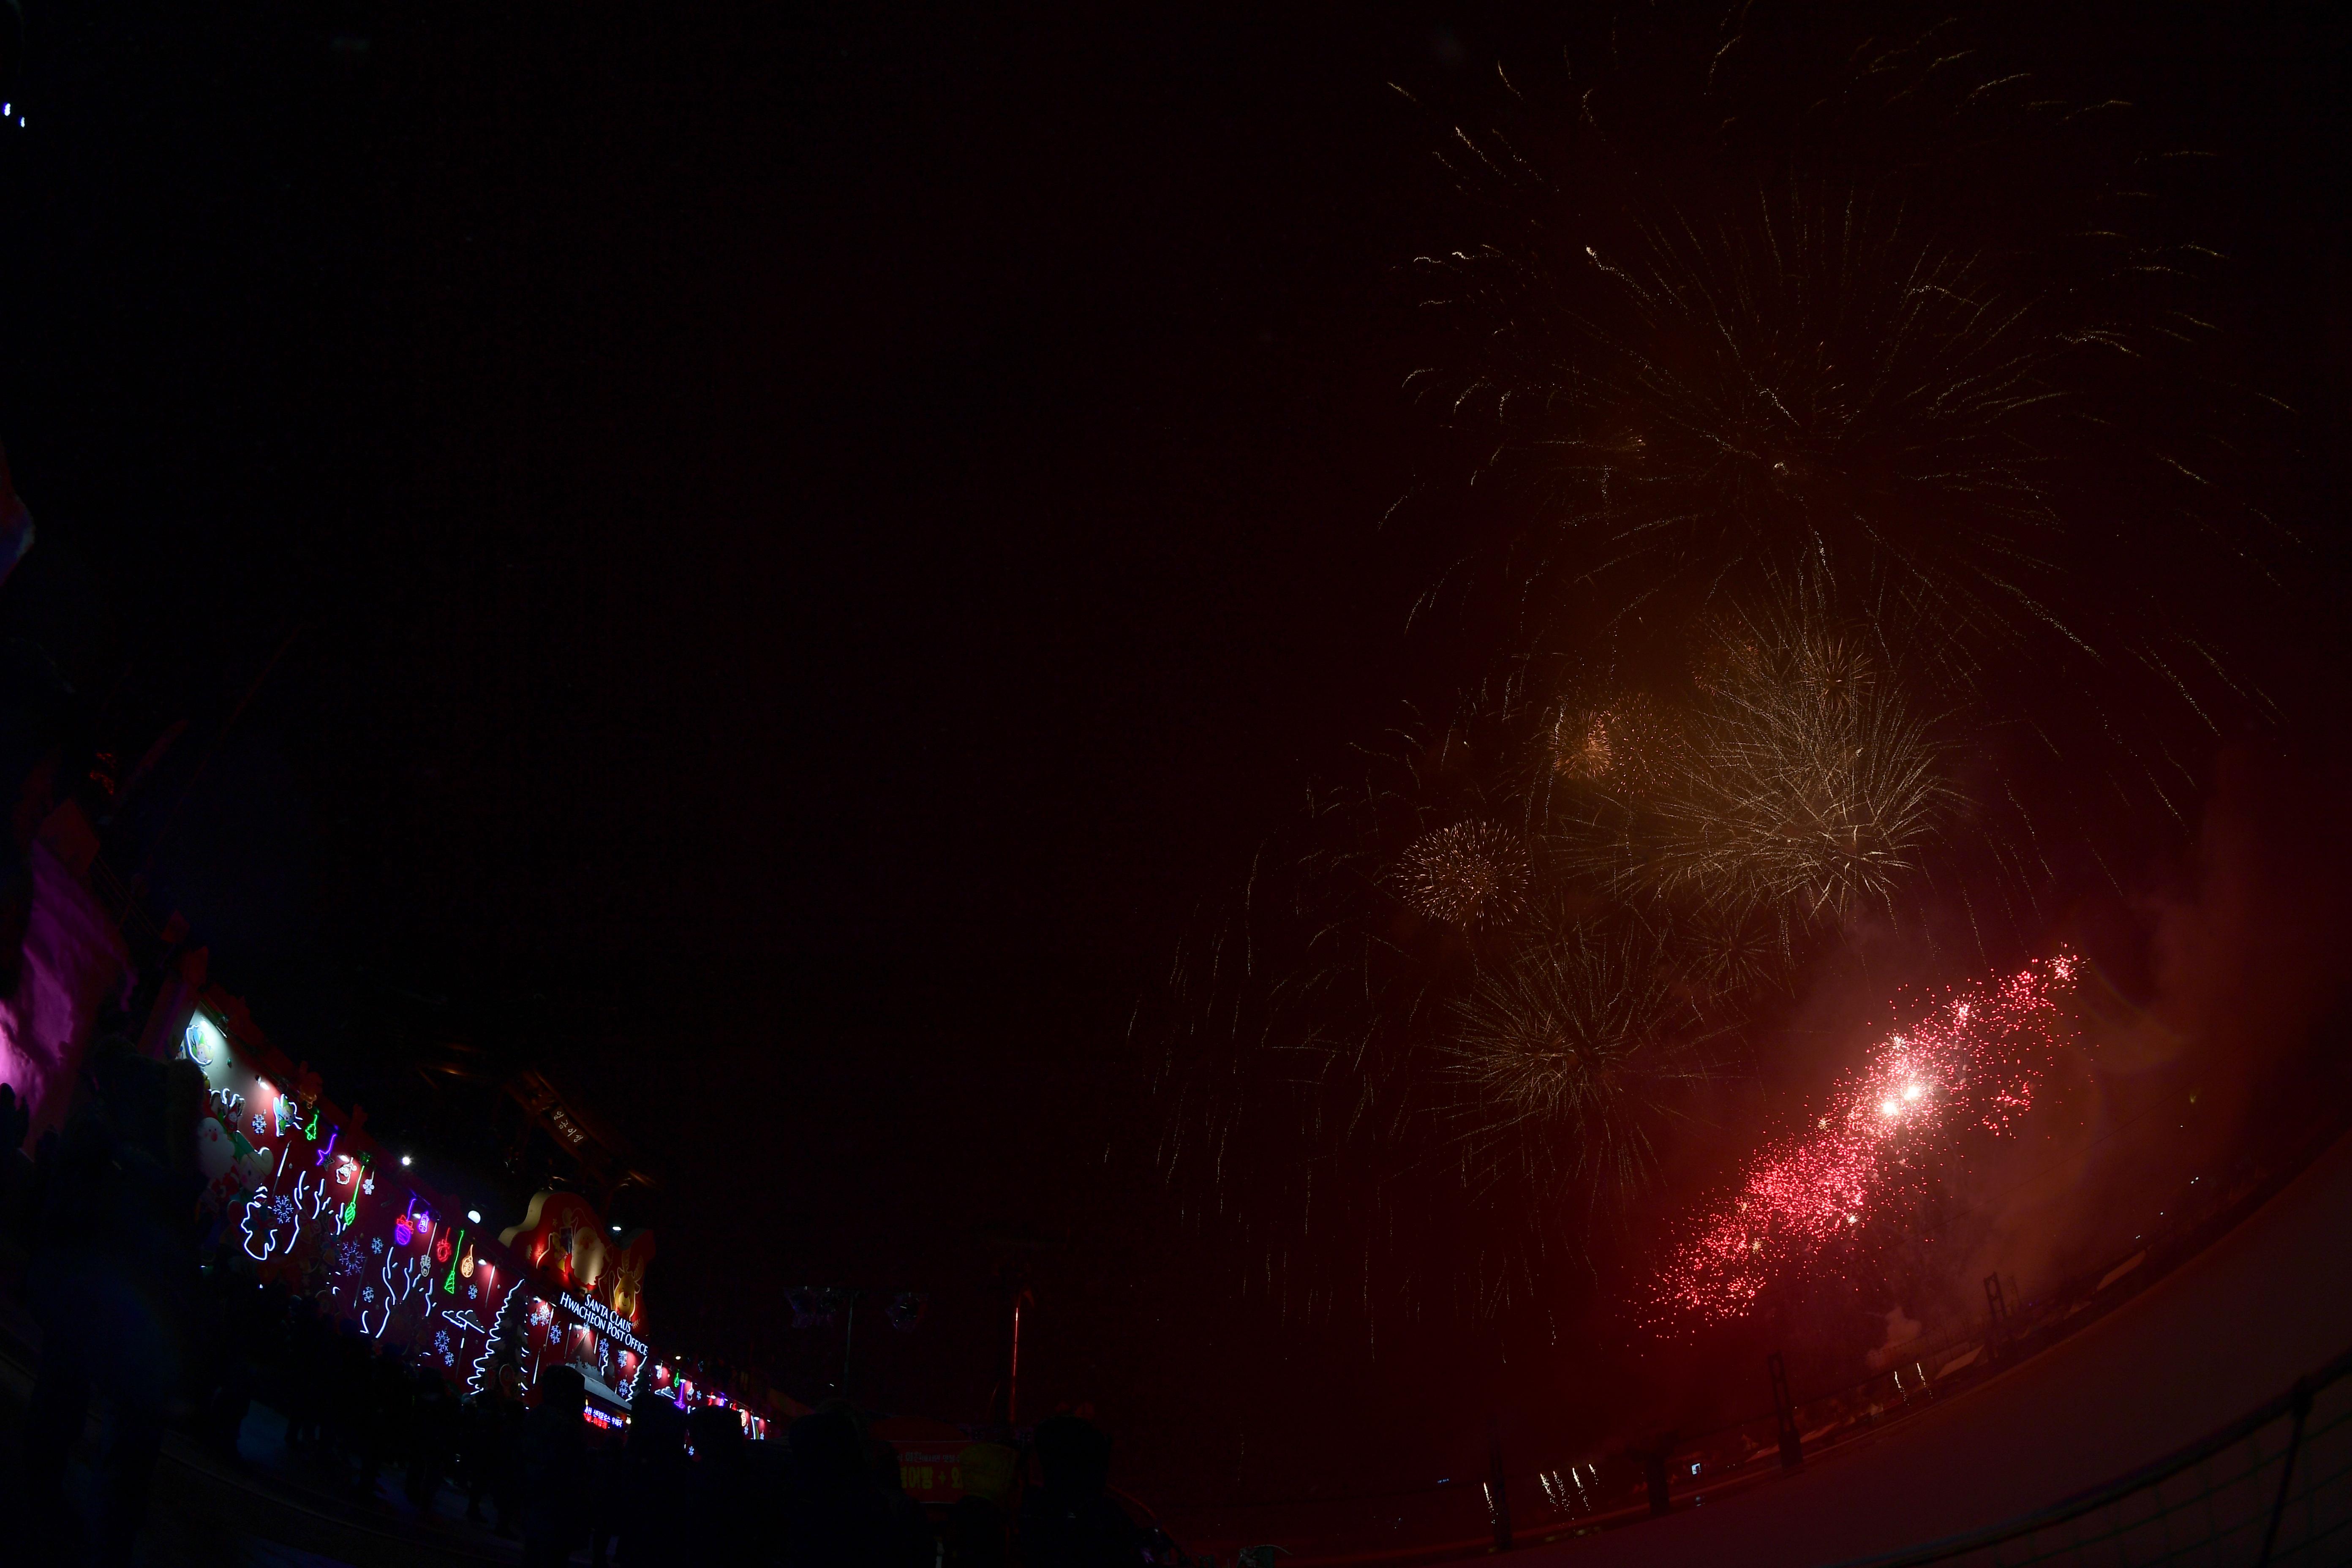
pixel 1587 1493
pixel 2273 1488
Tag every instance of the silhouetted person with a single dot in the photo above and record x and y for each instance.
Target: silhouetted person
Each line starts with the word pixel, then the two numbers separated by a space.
pixel 1071 1522
pixel 724 1526
pixel 36 713
pixel 1654 1473
pixel 911 1542
pixel 351 1381
pixel 432 1440
pixel 478 1437
pixel 975 1534
pixel 16 1122
pixel 111 1278
pixel 219 1358
pixel 838 1518
pixel 308 1374
pixel 650 1492
pixel 507 1418
pixel 555 1470
pixel 387 1404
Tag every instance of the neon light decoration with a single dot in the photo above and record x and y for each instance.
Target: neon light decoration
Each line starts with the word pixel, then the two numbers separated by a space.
pixel 305 1209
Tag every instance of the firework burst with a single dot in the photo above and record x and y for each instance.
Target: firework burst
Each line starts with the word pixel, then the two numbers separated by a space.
pixel 1741 299
pixel 1627 746
pixel 1801 377
pixel 1971 1067
pixel 1573 1053
pixel 1749 308
pixel 1814 791
pixel 1469 873
pixel 1807 787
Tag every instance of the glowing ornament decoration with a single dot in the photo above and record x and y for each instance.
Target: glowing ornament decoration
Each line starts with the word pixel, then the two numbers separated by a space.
pixel 498 1346
pixel 272 1221
pixel 401 1281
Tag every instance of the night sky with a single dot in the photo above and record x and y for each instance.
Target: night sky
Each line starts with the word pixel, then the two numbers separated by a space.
pixel 798 550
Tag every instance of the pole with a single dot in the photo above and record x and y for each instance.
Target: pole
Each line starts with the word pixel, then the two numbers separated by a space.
pixel 2304 1390
pixel 1997 1315
pixel 1784 1413
pixel 1498 1496
pixel 1012 1384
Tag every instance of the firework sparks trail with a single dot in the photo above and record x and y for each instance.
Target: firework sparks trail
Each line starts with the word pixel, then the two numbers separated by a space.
pixel 1973 1065
pixel 1584 1042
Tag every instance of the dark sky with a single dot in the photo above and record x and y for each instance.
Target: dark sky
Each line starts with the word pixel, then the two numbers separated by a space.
pixel 803 544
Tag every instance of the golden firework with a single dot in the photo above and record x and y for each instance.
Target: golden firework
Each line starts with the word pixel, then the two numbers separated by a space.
pixel 1626 745
pixel 1465 874
pixel 1573 1051
pixel 1813 786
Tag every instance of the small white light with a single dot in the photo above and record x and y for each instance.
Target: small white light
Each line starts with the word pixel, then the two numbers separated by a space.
pixel 1888 1108
pixel 474 1216
pixel 1913 1092
pixel 404 1159
pixel 617 1230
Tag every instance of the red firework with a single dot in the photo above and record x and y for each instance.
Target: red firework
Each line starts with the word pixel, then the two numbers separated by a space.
pixel 1973 1065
